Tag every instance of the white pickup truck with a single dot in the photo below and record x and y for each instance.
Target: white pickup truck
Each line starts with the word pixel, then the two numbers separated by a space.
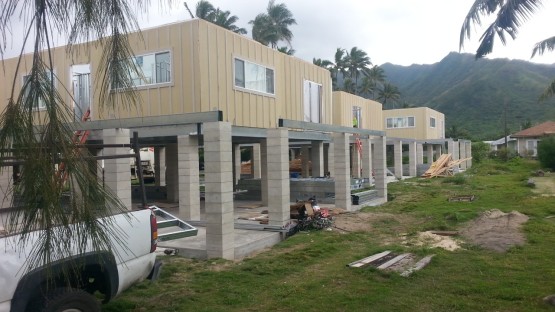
pixel 108 273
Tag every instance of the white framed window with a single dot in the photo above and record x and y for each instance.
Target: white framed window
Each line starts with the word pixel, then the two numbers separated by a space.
pixel 312 94
pixel 253 77
pixel 532 147
pixel 432 122
pixel 357 117
pixel 41 104
pixel 152 69
pixel 399 122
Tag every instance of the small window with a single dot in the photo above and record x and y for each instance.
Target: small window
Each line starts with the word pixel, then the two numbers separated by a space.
pixel 253 77
pixel 399 122
pixel 154 68
pixel 432 122
pixel 357 116
pixel 40 104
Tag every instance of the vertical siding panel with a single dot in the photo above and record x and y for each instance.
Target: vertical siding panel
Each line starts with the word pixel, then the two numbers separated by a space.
pixel 213 63
pixel 203 74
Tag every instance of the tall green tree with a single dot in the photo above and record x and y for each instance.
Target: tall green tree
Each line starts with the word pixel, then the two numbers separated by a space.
pixel 206 11
pixel 322 63
pixel 273 26
pixel 73 226
pixel 389 93
pixel 510 15
pixel 287 50
pixel 358 63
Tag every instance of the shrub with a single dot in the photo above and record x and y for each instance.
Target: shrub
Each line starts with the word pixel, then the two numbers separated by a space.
pixel 480 151
pixel 546 152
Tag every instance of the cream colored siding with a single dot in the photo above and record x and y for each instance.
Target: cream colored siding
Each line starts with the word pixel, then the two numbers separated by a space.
pixel 421 129
pixel 343 104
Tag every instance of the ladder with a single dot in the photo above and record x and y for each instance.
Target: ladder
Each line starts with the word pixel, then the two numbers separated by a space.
pixel 175 227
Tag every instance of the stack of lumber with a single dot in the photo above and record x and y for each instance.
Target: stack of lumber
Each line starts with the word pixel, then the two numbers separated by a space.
pixel 443 166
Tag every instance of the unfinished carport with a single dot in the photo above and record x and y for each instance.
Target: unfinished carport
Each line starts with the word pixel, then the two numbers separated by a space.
pixel 180 136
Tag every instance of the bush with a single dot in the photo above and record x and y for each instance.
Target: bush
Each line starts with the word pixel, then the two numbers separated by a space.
pixel 480 151
pixel 546 152
pixel 502 154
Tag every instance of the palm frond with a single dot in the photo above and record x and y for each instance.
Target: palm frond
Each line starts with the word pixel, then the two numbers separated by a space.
pixel 540 47
pixel 548 92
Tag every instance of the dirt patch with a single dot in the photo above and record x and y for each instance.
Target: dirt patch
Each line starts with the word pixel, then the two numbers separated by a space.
pixel 496 230
pixel 365 221
pixel 545 186
pixel 429 239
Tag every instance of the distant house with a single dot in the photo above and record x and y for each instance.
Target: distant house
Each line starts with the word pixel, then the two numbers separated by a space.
pixel 500 143
pixel 527 139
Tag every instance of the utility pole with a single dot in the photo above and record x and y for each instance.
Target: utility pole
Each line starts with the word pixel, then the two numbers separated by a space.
pixel 506 129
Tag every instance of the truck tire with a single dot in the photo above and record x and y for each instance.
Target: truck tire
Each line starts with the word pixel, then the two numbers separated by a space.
pixel 70 300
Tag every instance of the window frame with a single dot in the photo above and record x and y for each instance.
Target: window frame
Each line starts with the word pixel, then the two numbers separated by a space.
pixel 406 120
pixel 41 104
pixel 249 90
pixel 434 122
pixel 154 74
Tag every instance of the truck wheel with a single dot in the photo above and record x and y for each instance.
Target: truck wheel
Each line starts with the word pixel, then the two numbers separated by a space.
pixel 70 300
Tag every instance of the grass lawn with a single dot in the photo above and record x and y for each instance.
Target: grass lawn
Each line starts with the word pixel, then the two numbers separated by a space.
pixel 308 272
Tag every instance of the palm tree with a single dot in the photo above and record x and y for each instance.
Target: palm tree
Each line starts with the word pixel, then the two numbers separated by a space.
pixel 357 63
pixel 273 26
pixel 388 92
pixel 368 87
pixel 287 50
pixel 349 85
pixel 223 19
pixel 509 16
pixel 322 63
pixel 206 11
pixel 40 187
pixel 340 66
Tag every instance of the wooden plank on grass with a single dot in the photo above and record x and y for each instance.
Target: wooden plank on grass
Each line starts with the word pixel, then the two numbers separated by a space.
pixel 418 266
pixel 393 261
pixel 365 261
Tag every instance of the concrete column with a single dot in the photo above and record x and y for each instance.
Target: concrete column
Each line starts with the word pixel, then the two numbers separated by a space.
pixel 331 159
pixel 236 163
pixel 326 159
pixel 264 172
pixel 341 166
pixel 438 151
pixel 412 159
pixel 450 146
pixel 398 158
pixel 419 154
pixel 355 161
pixel 469 154
pixel 160 165
pixel 367 159
pixel 278 176
pixel 6 180
pixel 188 177
pixel 172 173
pixel 291 153
pixel 255 161
pixel 380 170
pixel 456 150
pixel 463 154
pixel 218 173
pixel 305 165
pixel 117 173
pixel 317 158
pixel 430 153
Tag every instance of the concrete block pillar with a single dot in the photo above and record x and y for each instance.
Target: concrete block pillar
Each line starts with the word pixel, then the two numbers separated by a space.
pixel 305 165
pixel 469 154
pixel 172 173
pixel 412 159
pixel 355 161
pixel 6 180
pixel 456 150
pixel 264 172
pixel 291 153
pixel 438 151
pixel 117 172
pixel 255 161
pixel 218 171
pixel 341 166
pixel 236 163
pixel 398 158
pixel 380 170
pixel 188 177
pixel 430 153
pixel 331 159
pixel 317 158
pixel 367 159
pixel 278 176
pixel 160 165
pixel 463 154
pixel 419 154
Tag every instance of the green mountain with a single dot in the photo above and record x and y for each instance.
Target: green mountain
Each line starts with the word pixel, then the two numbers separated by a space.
pixel 473 93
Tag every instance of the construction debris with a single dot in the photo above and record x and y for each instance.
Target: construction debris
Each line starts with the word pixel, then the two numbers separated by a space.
pixel 405 263
pixel 443 166
pixel 462 198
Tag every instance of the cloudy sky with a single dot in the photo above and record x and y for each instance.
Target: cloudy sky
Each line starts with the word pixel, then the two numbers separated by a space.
pixel 401 32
